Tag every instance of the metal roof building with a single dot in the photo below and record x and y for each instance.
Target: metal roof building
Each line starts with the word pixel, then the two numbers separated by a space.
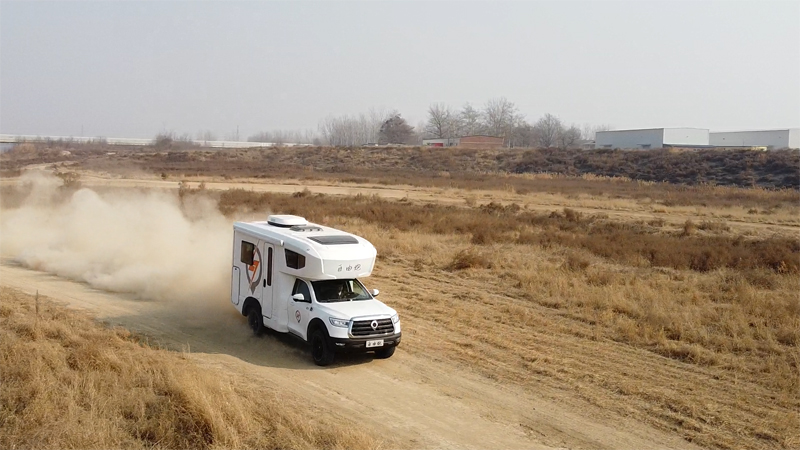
pixel 771 139
pixel 652 138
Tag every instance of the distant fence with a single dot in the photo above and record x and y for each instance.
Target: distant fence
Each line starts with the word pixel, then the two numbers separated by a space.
pixel 18 139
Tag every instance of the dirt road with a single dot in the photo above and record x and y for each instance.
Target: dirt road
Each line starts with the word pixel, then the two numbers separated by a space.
pixel 420 399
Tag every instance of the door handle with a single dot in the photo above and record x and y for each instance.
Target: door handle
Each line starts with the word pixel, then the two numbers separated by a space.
pixel 265 282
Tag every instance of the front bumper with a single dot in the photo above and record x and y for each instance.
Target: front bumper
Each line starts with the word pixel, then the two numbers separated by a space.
pixel 360 344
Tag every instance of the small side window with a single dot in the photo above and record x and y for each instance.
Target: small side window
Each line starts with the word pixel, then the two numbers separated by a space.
pixel 269 266
pixel 248 250
pixel 295 260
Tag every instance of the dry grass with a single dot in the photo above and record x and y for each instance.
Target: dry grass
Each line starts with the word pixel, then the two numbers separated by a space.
pixel 68 382
pixel 712 356
pixel 636 244
pixel 708 178
pixel 562 290
pixel 691 328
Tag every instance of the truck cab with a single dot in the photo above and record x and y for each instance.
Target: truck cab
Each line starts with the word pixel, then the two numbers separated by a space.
pixel 305 279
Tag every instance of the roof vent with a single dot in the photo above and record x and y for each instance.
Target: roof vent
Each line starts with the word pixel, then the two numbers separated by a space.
pixel 286 220
pixel 305 228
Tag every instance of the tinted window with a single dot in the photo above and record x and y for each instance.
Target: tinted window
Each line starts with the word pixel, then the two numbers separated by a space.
pixel 300 287
pixel 339 290
pixel 248 250
pixel 294 260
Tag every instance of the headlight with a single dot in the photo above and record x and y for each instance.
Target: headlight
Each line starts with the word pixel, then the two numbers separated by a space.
pixel 339 322
pixel 395 318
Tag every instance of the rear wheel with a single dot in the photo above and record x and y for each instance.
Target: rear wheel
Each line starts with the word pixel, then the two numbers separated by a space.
pixel 255 320
pixel 386 352
pixel 321 349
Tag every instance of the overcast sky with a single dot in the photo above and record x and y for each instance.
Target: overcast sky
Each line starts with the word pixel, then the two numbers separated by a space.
pixel 133 69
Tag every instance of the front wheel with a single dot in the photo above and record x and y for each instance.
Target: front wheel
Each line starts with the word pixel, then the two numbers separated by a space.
pixel 321 349
pixel 385 352
pixel 255 320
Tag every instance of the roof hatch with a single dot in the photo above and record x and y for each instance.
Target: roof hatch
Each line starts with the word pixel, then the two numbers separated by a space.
pixel 334 240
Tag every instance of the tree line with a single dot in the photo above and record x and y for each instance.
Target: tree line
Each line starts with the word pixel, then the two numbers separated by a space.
pixel 501 118
pixel 498 117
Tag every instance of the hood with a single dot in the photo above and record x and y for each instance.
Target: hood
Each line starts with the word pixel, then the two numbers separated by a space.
pixel 348 310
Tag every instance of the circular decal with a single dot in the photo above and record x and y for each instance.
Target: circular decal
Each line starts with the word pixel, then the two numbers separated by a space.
pixel 297 315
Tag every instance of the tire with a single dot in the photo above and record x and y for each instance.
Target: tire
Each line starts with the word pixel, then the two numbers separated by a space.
pixel 255 320
pixel 385 352
pixel 321 349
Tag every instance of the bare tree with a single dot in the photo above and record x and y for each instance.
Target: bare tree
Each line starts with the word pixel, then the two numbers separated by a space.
pixel 442 121
pixel 283 137
pixel 547 130
pixel 500 116
pixel 522 135
pixel 470 121
pixel 569 137
pixel 588 132
pixel 206 136
pixel 347 131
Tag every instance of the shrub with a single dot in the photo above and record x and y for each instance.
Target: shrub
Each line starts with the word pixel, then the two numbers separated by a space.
pixel 689 228
pixel 469 259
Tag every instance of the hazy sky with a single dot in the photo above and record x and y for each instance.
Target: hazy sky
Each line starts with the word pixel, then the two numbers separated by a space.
pixel 132 69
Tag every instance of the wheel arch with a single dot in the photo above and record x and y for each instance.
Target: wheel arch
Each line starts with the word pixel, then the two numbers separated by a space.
pixel 249 303
pixel 314 324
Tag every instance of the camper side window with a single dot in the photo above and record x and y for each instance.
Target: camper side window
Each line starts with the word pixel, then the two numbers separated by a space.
pixel 248 250
pixel 295 260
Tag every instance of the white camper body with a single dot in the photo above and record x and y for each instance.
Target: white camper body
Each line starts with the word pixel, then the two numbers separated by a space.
pixel 301 278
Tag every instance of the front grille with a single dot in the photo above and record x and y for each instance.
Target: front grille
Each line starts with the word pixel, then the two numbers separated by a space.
pixel 364 328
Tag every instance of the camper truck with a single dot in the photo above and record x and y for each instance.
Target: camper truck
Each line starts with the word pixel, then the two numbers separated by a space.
pixel 304 279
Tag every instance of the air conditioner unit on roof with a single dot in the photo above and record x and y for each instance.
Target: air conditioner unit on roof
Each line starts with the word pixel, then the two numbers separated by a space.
pixel 286 220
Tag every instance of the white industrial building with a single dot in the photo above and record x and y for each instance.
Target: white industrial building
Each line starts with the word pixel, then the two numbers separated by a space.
pixel 652 138
pixel 771 139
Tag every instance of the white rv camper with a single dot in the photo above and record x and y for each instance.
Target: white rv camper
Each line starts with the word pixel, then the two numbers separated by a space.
pixel 301 278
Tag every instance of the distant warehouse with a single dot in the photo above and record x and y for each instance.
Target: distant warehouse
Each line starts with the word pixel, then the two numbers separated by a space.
pixel 653 138
pixel 771 139
pixel 477 141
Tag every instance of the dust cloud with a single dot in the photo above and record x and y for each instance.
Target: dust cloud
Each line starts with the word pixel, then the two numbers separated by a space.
pixel 143 243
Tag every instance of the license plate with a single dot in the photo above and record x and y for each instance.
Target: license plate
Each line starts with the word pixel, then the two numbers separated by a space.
pixel 376 343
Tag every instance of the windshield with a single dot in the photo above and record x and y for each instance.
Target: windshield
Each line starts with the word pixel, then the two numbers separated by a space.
pixel 329 291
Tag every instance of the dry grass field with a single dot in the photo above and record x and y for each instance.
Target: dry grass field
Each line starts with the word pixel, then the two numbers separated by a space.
pixel 69 382
pixel 710 319
pixel 672 305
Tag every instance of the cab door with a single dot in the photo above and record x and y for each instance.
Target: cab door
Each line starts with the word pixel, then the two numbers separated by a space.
pixel 300 311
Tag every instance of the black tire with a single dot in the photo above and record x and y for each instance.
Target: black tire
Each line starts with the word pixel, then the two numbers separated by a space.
pixel 321 349
pixel 255 320
pixel 385 352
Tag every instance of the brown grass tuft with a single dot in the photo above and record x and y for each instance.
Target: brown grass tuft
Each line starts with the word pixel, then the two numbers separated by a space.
pixel 469 259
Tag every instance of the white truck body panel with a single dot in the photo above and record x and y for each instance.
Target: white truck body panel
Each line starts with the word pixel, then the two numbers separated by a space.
pixel 263 256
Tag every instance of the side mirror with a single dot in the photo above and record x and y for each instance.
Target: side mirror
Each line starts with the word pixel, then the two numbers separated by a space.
pixel 299 298
pixel 375 292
